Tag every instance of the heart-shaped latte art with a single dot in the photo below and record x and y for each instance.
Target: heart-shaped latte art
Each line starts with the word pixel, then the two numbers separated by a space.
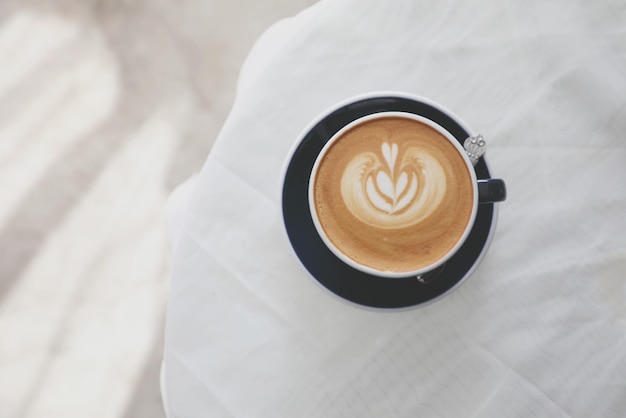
pixel 393 189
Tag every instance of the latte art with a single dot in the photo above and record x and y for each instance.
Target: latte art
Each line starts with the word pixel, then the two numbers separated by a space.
pixel 394 191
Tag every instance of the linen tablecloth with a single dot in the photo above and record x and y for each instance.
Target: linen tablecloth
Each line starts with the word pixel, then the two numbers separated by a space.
pixel 538 330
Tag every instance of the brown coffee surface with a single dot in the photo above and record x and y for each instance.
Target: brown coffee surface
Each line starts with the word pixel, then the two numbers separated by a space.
pixel 393 194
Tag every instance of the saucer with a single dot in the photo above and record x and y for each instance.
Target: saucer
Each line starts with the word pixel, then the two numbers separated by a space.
pixel 339 278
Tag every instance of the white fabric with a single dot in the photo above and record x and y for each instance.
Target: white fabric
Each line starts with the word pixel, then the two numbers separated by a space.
pixel 538 330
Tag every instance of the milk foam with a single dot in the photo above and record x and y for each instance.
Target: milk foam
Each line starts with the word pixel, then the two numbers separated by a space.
pixel 392 194
pixel 389 191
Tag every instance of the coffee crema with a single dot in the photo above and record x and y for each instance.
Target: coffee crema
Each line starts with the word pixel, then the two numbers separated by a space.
pixel 393 194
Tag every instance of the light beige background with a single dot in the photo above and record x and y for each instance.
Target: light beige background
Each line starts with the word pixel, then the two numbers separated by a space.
pixel 105 106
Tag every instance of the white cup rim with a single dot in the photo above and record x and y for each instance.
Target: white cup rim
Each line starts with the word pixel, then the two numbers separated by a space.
pixel 370 270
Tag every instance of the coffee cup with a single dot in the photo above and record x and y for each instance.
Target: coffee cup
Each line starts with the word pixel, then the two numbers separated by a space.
pixel 394 194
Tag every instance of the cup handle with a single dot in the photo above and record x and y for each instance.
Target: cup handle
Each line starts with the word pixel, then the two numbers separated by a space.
pixel 491 190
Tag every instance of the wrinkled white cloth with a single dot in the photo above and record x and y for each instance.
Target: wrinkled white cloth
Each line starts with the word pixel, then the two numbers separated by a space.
pixel 538 330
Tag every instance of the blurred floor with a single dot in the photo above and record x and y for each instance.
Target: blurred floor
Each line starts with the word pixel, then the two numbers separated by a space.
pixel 105 106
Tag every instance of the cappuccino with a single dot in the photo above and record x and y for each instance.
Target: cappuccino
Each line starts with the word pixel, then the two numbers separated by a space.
pixel 393 194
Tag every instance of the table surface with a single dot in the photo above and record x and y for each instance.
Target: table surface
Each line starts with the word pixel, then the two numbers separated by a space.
pixel 540 327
